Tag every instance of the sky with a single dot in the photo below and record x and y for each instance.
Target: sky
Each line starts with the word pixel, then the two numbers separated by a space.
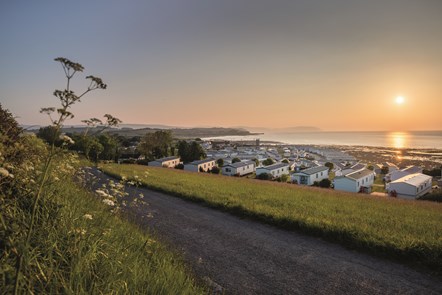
pixel 333 64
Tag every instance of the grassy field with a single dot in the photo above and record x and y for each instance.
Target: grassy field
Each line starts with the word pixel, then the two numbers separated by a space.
pixel 81 247
pixel 409 231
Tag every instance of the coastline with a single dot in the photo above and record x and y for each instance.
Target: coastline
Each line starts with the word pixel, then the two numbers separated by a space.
pixel 428 158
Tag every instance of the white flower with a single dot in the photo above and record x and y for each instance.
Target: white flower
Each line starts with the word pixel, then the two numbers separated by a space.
pixel 4 172
pixel 102 193
pixel 87 216
pixel 67 139
pixel 108 202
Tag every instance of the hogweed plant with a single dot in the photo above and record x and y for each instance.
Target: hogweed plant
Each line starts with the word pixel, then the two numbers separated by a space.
pixel 58 116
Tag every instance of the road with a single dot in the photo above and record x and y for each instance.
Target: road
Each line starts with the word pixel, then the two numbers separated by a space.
pixel 246 257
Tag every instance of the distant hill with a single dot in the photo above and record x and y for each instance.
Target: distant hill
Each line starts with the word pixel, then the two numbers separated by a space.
pixel 182 133
pixel 286 129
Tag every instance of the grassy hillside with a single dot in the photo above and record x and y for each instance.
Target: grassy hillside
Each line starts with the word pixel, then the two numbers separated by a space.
pixel 406 230
pixel 82 248
pixel 59 238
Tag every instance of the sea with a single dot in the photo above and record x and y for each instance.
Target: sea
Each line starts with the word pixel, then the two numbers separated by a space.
pixel 399 140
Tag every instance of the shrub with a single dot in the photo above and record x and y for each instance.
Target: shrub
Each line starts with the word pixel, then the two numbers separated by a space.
pixel 325 183
pixel 142 162
pixel 268 161
pixel 215 170
pixel 236 160
pixel 264 176
pixel 180 166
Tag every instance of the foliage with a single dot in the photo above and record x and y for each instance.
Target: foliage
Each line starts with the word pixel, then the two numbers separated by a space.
pixel 264 176
pixel 190 152
pixel 156 145
pixel 268 161
pixel 236 160
pixel 283 178
pixel 256 162
pixel 384 170
pixel 435 172
pixel 330 166
pixel 285 161
pixel 215 170
pixel 110 147
pixel 50 134
pixel 375 225
pixel 220 162
pixel 435 196
pixel 57 238
pixel 180 166
pixel 325 183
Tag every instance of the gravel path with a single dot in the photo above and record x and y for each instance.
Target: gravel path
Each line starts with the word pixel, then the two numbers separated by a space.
pixel 245 257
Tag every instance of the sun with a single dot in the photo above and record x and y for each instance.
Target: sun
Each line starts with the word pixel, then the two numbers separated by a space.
pixel 399 99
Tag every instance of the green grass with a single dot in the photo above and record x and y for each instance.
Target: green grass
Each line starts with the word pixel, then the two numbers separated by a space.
pixel 71 254
pixel 409 231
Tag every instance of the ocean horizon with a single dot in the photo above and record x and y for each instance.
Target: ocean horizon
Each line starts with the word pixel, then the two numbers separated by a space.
pixel 399 140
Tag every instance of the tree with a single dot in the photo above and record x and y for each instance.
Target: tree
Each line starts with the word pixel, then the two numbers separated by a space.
pixel 110 147
pixel 330 166
pixel 268 161
pixel 50 134
pixel 184 151
pixel 370 167
pixel 384 170
pixel 256 162
pixel 95 149
pixel 220 162
pixel 236 160
pixel 196 151
pixel 156 145
pixel 190 152
pixel 285 161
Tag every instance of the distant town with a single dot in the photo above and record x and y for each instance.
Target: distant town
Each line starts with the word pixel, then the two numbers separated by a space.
pixel 302 165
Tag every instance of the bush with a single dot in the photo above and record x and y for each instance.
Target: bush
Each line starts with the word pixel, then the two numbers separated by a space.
pixel 142 162
pixel 236 160
pixel 283 178
pixel 180 166
pixel 325 183
pixel 215 170
pixel 264 176
pixel 435 196
pixel 220 162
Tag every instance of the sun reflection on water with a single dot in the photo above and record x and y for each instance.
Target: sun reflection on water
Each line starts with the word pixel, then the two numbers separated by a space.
pixel 398 140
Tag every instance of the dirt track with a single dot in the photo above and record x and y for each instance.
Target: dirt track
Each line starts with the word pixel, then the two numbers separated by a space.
pixel 246 257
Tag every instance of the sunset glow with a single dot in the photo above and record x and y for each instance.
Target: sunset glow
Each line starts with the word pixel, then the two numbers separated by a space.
pixel 250 63
pixel 400 100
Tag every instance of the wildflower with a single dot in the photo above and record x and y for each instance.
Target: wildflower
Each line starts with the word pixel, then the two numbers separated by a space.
pixel 102 193
pixel 80 231
pixel 87 216
pixel 4 172
pixel 67 139
pixel 109 202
